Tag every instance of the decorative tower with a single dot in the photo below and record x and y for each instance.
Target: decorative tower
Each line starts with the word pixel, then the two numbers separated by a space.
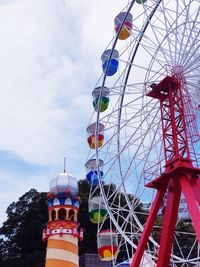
pixel 62 229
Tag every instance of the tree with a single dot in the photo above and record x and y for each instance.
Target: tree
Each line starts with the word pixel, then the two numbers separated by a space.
pixel 22 231
pixel 22 244
pixel 89 243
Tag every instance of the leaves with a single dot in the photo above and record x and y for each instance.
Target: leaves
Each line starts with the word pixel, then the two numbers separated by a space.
pixel 22 231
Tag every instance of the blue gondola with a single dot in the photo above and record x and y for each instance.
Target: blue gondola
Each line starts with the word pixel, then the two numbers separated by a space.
pixel 112 68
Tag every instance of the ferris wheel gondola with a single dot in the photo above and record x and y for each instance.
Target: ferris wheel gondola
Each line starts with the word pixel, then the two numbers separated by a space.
pixel 151 127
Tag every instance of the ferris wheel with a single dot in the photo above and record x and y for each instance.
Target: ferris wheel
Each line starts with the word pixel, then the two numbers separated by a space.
pixel 143 165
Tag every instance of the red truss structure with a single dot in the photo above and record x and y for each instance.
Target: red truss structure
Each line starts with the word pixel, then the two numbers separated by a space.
pixel 180 174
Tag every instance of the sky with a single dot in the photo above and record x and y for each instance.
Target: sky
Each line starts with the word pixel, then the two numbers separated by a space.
pixel 50 61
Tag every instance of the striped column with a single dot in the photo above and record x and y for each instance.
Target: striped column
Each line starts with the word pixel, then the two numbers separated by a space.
pixel 62 251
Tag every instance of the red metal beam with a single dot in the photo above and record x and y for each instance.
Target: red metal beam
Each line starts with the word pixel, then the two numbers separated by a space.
pixel 179 175
pixel 190 189
pixel 169 222
pixel 148 227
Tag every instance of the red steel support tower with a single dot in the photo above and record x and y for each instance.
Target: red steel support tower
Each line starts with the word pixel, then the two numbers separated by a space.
pixel 180 175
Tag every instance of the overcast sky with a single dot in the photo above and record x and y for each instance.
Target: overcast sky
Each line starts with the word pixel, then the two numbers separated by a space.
pixel 49 64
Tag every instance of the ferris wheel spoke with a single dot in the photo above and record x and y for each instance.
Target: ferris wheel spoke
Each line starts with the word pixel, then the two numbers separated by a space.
pixel 188 47
pixel 192 84
pixel 191 56
pixel 137 115
pixel 141 161
pixel 163 38
pixel 131 89
pixel 192 68
pixel 157 31
pixel 144 68
pixel 171 27
pixel 182 34
pixel 132 105
pixel 168 26
pixel 150 45
pixel 135 156
pixel 135 140
pixel 179 247
pixel 192 248
pixel 176 33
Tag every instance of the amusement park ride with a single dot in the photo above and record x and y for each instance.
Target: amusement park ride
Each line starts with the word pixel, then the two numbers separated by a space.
pixel 144 144
pixel 146 132
pixel 180 174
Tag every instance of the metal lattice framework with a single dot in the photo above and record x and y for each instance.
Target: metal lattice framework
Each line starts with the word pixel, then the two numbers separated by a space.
pixel 151 136
pixel 179 175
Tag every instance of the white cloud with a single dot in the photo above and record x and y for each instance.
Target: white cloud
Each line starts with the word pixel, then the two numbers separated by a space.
pixel 49 63
pixel 32 73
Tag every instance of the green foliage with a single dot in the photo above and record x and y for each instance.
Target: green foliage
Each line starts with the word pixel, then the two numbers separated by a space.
pixel 89 243
pixel 186 236
pixel 22 244
pixel 22 232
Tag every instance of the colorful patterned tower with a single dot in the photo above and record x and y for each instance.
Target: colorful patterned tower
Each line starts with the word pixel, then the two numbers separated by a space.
pixel 62 229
